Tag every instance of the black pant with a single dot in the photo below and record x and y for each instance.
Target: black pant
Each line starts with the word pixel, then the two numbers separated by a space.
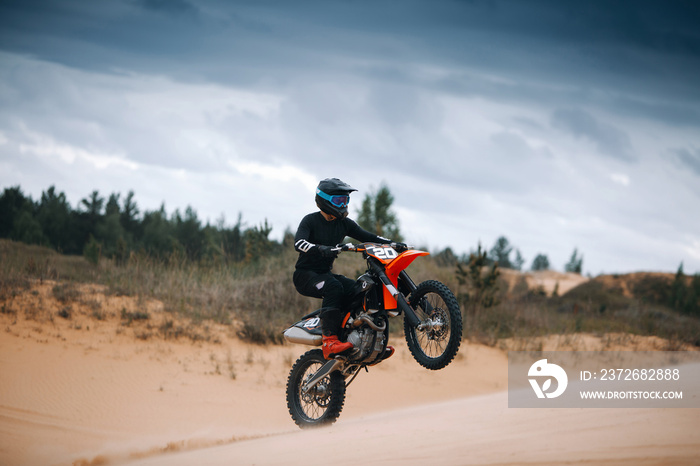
pixel 332 288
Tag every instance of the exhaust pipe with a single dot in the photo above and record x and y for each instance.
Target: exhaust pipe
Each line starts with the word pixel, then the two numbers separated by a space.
pixel 369 322
pixel 297 335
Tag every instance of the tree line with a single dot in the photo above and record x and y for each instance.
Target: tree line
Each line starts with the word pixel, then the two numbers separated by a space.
pixel 507 256
pixel 683 293
pixel 115 227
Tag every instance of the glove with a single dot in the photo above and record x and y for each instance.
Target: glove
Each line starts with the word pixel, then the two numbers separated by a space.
pixel 327 251
pixel 399 247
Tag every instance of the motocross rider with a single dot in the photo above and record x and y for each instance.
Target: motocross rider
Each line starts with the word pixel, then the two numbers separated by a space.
pixel 315 239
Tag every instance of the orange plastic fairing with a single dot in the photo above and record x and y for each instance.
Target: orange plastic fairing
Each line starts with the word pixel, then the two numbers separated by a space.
pixel 394 268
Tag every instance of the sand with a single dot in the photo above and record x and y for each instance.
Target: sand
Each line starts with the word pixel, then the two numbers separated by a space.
pixel 548 281
pixel 99 390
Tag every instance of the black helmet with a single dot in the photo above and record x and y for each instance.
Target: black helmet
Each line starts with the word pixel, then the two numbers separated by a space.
pixel 333 197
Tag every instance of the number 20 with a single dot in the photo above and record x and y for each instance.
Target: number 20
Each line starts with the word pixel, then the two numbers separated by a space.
pixel 385 253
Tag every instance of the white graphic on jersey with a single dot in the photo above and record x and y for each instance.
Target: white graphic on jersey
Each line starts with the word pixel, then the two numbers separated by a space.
pixel 303 245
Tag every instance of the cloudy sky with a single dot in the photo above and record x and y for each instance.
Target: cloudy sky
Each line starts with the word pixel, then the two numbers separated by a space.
pixel 559 125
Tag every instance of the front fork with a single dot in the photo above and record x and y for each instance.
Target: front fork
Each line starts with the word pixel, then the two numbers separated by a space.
pixel 404 282
pixel 326 369
pixel 406 286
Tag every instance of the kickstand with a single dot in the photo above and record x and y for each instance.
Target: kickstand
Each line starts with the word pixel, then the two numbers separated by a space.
pixel 355 375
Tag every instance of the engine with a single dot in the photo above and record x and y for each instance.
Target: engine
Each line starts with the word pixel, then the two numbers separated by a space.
pixel 368 342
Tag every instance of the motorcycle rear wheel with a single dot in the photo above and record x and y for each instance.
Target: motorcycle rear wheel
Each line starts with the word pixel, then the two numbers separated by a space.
pixel 434 346
pixel 322 404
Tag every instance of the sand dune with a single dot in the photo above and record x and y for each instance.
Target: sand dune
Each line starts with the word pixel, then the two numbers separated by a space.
pixel 476 430
pixel 101 391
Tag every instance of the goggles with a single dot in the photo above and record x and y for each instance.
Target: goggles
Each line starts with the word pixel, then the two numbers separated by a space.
pixel 338 200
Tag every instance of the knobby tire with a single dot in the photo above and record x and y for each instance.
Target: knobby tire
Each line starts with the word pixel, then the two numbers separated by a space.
pixel 323 404
pixel 434 349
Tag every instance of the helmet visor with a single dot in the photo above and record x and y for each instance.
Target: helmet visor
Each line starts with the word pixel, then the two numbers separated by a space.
pixel 338 200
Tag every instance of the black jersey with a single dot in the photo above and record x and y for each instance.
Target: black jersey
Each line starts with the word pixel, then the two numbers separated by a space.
pixel 314 230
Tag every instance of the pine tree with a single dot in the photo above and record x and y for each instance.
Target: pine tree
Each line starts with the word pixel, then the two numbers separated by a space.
pixel 479 279
pixel 93 206
pixel 188 232
pixel 519 261
pixel 575 264
pixel 157 238
pixel 128 216
pixel 692 306
pixel 376 214
pixel 500 252
pixel 679 290
pixel 54 216
pixel 541 262
pixel 12 205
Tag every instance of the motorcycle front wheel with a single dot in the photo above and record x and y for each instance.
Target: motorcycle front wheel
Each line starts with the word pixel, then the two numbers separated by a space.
pixel 322 404
pixel 435 342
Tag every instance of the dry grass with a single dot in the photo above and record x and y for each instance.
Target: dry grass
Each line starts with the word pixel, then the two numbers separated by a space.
pixel 258 301
pixel 589 308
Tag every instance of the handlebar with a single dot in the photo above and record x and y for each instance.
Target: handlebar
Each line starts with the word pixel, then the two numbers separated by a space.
pixel 360 247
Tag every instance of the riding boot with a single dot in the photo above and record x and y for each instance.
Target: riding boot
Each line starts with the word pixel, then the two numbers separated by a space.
pixel 331 322
pixel 332 346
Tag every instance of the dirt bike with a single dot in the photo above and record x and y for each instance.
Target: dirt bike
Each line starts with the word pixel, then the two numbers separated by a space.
pixel 432 328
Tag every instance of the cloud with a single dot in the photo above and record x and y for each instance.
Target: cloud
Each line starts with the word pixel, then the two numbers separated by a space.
pixel 621 179
pixel 148 119
pixel 46 149
pixel 175 7
pixel 481 116
pixel 608 139
pixel 682 113
pixel 690 158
